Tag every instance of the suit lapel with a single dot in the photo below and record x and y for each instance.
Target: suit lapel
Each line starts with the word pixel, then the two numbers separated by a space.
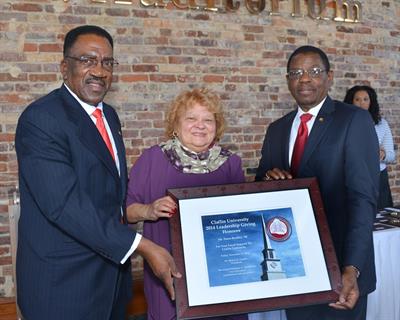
pixel 287 127
pixel 115 128
pixel 321 124
pixel 87 131
pixel 119 143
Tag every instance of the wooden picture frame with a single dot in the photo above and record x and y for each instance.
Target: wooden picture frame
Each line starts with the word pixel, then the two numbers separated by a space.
pixel 252 247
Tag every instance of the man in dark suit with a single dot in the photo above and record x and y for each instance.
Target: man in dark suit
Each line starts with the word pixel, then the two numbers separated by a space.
pixel 74 245
pixel 340 149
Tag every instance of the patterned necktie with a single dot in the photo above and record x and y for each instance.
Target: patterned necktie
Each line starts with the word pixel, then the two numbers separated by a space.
pixel 301 139
pixel 103 131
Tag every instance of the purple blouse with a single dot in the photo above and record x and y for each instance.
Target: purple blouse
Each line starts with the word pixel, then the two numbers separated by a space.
pixel 149 179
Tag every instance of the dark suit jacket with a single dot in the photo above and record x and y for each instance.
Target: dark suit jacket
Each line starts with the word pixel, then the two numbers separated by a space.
pixel 342 152
pixel 71 240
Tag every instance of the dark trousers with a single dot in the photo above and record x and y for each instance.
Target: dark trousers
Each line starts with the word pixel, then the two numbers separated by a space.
pixel 324 312
pixel 385 195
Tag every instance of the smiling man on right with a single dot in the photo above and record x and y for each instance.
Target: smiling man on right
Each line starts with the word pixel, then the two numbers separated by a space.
pixel 337 144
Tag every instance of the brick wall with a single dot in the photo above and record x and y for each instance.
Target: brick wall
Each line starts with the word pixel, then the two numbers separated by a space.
pixel 165 50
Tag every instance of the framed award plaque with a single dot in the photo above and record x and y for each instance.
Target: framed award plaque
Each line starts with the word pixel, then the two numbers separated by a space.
pixel 252 247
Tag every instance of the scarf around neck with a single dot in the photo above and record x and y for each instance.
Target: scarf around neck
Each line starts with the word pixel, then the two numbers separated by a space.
pixel 187 161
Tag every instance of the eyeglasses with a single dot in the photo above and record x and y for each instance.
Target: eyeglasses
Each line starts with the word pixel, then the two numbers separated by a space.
pixel 91 62
pixel 296 74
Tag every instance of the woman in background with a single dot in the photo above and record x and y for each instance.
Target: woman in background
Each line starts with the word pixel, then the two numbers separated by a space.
pixel 365 97
pixel 191 157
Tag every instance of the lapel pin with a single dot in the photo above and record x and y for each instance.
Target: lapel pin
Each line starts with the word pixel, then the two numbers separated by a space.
pixel 321 119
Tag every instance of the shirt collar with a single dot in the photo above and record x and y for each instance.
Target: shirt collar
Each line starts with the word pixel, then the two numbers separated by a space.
pixel 87 107
pixel 313 111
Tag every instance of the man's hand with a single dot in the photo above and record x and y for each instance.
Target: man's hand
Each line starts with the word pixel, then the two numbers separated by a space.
pixel 349 294
pixel 277 174
pixel 161 262
pixel 382 154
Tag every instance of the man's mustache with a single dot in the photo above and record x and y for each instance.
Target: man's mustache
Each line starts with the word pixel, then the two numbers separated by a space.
pixel 95 80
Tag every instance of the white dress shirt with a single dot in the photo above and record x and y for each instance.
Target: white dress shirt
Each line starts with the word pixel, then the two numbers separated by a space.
pixel 296 123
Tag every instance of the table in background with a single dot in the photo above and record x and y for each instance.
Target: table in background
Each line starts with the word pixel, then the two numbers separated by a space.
pixel 384 302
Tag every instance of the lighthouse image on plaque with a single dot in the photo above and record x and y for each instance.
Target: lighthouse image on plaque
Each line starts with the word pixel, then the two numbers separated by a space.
pixel 278 229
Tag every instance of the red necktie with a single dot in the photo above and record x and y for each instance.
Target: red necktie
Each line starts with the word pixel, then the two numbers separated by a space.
pixel 301 139
pixel 102 129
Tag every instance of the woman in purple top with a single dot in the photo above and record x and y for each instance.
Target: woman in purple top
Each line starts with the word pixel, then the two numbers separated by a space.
pixel 191 157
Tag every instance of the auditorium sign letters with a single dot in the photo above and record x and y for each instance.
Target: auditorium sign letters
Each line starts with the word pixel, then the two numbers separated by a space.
pixel 342 10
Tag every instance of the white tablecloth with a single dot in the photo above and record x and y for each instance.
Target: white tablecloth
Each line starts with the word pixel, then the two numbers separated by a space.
pixel 384 302
pixel 270 315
